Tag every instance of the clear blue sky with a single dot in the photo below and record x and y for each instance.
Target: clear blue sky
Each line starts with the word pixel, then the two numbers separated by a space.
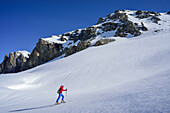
pixel 23 22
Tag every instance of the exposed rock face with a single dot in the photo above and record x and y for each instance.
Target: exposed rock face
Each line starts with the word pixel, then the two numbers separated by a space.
pixel 101 20
pixel 124 27
pixel 143 27
pixel 109 26
pixel 117 15
pixel 168 12
pixel 146 14
pixel 3 64
pixel 73 49
pixel 127 27
pixel 13 63
pixel 43 52
pixel 0 68
pixel 22 62
pixel 155 19
pixel 103 41
pixel 87 33
pixel 75 41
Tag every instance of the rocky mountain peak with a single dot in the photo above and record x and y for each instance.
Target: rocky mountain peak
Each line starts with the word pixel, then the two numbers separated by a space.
pixel 121 23
pixel 14 62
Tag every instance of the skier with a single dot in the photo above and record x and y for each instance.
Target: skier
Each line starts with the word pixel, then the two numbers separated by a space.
pixel 60 94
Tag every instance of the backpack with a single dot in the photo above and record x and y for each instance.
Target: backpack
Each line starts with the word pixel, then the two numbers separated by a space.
pixel 58 91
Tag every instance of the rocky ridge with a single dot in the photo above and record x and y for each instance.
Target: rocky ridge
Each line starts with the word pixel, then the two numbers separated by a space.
pixel 116 24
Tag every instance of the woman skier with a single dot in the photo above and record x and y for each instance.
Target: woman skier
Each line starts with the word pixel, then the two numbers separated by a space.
pixel 60 94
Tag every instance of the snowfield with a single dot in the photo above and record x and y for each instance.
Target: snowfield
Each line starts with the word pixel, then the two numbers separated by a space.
pixel 130 75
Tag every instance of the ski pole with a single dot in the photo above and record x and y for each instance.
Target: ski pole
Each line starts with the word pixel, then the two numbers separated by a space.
pixel 66 93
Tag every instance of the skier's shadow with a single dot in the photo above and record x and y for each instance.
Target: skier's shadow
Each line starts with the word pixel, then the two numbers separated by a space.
pixel 33 108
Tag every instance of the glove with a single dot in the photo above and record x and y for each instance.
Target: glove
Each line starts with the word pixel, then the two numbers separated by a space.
pixel 66 89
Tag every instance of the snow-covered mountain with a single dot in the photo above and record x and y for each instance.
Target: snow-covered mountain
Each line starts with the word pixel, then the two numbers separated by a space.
pixel 129 75
pixel 121 23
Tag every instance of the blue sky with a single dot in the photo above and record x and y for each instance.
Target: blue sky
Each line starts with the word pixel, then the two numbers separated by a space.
pixel 23 22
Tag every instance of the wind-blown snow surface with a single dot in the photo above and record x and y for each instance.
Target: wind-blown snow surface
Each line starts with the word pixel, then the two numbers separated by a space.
pixel 125 76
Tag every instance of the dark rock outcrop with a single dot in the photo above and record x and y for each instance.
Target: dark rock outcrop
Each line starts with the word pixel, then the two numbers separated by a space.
pixel 117 15
pixel 13 63
pixel 101 20
pixel 155 19
pixel 87 33
pixel 143 27
pixel 44 52
pixel 109 26
pixel 146 14
pixel 127 27
pixel 80 46
pixel 0 68
pixel 103 41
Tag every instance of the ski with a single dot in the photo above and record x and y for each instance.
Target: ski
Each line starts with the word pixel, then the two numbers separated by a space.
pixel 59 103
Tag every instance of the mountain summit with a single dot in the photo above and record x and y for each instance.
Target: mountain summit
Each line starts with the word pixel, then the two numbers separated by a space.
pixel 120 24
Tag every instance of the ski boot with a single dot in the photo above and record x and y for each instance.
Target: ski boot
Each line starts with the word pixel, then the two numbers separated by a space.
pixel 63 101
pixel 57 103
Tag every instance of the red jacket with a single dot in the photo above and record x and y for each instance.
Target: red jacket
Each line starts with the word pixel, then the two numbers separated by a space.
pixel 61 89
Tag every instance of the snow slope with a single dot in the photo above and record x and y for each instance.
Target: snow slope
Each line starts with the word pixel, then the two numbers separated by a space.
pixel 125 76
